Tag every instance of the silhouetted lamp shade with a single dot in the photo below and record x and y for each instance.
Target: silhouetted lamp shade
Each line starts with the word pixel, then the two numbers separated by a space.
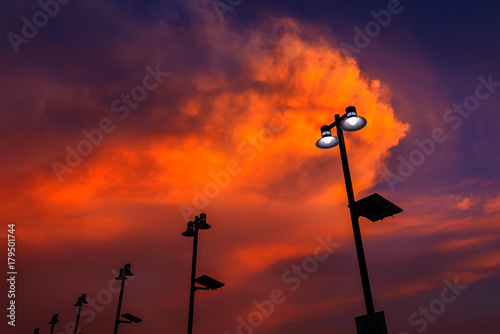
pixel 81 300
pixel 202 223
pixel 375 207
pixel 122 276
pixel 124 272
pixel 55 319
pixel 189 232
pixel 353 122
pixel 127 270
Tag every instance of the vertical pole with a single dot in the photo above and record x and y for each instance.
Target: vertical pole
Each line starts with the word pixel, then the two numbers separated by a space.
pixel 52 329
pixel 193 275
pixel 117 320
pixel 78 318
pixel 354 219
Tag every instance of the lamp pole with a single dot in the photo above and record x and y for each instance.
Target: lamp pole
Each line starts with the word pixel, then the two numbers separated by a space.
pixel 53 322
pixel 117 320
pixel 193 275
pixel 81 300
pixel 354 220
pixel 124 272
pixel 371 322
pixel 52 329
pixel 200 223
pixel 78 318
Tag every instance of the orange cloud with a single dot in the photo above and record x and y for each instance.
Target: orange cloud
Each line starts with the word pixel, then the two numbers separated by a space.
pixel 262 121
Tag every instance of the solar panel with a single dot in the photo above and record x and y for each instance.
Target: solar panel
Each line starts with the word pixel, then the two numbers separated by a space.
pixel 131 318
pixel 209 282
pixel 375 207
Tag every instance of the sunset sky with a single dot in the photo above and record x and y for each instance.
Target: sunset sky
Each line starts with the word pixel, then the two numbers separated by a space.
pixel 122 120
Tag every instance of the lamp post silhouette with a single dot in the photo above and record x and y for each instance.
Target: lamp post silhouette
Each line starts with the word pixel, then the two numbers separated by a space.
pixel 55 320
pixel 200 223
pixel 81 301
pixel 124 272
pixel 373 207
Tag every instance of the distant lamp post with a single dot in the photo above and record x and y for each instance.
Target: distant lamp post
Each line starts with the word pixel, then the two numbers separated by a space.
pixel 124 272
pixel 374 207
pixel 82 300
pixel 207 282
pixel 55 320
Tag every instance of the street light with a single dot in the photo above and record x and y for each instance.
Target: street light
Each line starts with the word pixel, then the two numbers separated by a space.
pixel 81 301
pixel 350 121
pixel 200 223
pixel 55 320
pixel 124 272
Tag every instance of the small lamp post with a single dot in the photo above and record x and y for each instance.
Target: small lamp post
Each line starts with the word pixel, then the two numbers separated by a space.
pixel 82 300
pixel 124 272
pixel 200 223
pixel 55 320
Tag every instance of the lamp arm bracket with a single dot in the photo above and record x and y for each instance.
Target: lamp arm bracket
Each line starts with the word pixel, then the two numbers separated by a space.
pixel 334 124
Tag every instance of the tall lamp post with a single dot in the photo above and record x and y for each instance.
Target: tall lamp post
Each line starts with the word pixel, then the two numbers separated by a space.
pixel 124 272
pixel 200 223
pixel 350 121
pixel 81 301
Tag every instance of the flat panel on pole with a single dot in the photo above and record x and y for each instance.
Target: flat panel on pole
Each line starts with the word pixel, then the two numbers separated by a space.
pixel 371 324
pixel 375 207
pixel 209 282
